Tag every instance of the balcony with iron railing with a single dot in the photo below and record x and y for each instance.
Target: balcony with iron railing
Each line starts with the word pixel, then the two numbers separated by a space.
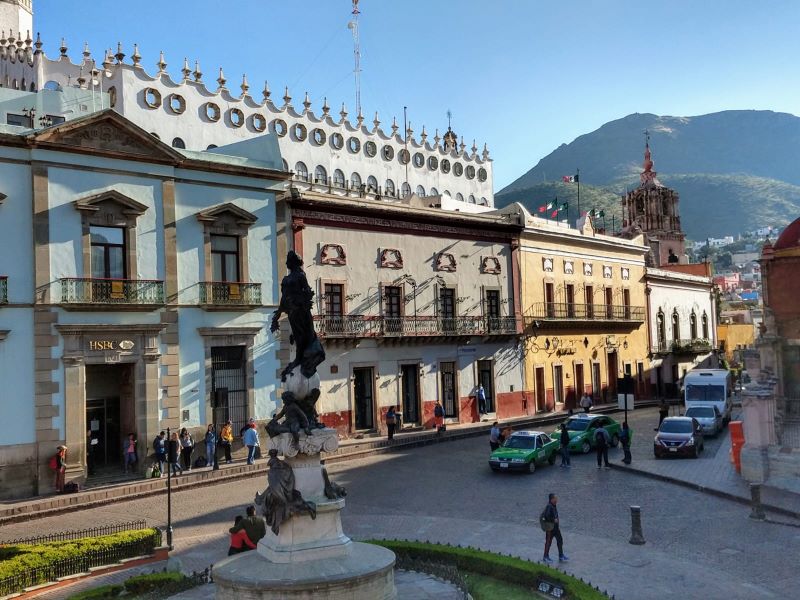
pixel 365 326
pixel 228 295
pixel 685 346
pixel 124 294
pixel 553 313
pixel 3 289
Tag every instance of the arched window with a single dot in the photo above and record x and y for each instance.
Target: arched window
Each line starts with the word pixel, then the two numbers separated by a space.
pixel 285 164
pixel 301 171
pixel 471 199
pixel 434 192
pixel 178 143
pixel 320 175
pixel 459 197
pixel 662 330
pixel 372 184
pixel 388 187
pixel 420 191
pixel 705 326
pixel 693 326
pixel 483 202
pixel 338 178
pixel 405 190
pixel 355 181
pixel 155 135
pixel 211 146
pixel 676 326
pixel 447 193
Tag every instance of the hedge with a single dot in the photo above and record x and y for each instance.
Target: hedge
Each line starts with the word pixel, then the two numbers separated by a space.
pixel 140 584
pixel 104 592
pixel 503 568
pixel 134 587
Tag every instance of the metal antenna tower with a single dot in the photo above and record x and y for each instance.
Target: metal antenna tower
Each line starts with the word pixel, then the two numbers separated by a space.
pixel 353 27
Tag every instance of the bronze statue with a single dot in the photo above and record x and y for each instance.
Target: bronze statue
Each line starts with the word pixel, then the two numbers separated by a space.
pixel 333 491
pixel 295 303
pixel 298 415
pixel 281 500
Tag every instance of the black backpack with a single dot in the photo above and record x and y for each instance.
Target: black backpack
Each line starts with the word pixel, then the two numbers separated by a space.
pixel 200 462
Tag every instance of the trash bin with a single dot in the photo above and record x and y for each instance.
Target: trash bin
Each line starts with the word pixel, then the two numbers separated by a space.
pixel 737 441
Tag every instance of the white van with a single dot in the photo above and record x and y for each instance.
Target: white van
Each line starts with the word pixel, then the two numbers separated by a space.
pixel 709 387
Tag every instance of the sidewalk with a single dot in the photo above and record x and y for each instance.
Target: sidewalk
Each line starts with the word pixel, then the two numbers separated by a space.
pixel 348 449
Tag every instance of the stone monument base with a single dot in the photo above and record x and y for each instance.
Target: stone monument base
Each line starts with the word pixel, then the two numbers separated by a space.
pixel 366 572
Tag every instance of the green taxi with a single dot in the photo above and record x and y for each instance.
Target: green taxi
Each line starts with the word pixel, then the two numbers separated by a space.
pixel 581 430
pixel 524 451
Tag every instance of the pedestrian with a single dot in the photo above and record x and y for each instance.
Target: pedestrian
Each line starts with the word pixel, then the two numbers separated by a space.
pixel 505 433
pixel 187 446
pixel 211 445
pixel 663 412
pixel 551 525
pixel 438 417
pixel 91 442
pixel 251 441
pixel 226 435
pixel 240 541
pixel 160 448
pixel 129 452
pixel 625 440
pixel 481 394
pixel 174 453
pixel 564 448
pixel 586 402
pixel 253 525
pixel 601 440
pixel 60 466
pixel 391 421
pixel 494 436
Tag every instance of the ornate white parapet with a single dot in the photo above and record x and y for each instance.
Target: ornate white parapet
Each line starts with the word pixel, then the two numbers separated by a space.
pixel 320 440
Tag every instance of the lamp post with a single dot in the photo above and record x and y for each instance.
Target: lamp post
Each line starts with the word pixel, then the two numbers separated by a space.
pixel 169 491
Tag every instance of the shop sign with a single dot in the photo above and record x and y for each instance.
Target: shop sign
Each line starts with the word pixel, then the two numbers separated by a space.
pixel 105 345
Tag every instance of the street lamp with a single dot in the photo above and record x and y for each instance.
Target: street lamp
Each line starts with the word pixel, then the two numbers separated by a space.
pixel 169 491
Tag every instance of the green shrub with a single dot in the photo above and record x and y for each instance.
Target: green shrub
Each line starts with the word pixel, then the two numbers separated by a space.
pixel 104 592
pixel 503 568
pixel 141 584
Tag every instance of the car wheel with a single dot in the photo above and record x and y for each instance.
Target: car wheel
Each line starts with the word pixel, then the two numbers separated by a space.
pixel 552 459
pixel 614 440
pixel 531 466
pixel 586 447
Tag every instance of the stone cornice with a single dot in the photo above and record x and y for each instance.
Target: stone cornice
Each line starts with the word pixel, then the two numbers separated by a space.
pixel 222 331
pixel 80 329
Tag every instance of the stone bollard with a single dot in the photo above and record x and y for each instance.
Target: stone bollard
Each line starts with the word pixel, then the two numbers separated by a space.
pixel 757 512
pixel 637 537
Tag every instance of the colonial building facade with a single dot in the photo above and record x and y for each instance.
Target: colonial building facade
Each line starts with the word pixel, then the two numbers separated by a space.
pixel 135 296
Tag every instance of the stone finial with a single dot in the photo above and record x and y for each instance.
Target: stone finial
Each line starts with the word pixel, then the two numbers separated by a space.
pixel 306 102
pixel 245 87
pixel 409 131
pixel 485 151
pixel 394 126
pixel 186 71
pixel 343 112
pixel 221 79
pixel 136 57
pixel 198 74
pixel 81 79
pixel 38 44
pixel 359 117
pixel 474 147
pixel 86 52
pixel 462 145
pixel 436 138
pixel 287 99
pixel 107 59
pixel 266 91
pixel 63 49
pixel 424 135
pixel 326 109
pixel 161 64
pixel 120 55
pixel 376 121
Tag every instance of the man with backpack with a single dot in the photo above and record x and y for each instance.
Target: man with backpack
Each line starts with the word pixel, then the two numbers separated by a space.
pixel 160 448
pixel 601 440
pixel 550 525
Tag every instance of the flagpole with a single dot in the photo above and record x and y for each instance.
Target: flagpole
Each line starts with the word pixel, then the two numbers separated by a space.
pixel 579 194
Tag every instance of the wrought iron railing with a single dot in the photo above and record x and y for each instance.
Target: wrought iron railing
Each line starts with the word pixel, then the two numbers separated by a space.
pixel 3 289
pixel 566 311
pixel 76 534
pixel 112 291
pixel 687 346
pixel 230 293
pixel 356 326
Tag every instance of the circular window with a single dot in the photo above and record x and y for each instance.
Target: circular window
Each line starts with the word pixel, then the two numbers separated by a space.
pixel 433 163
pixel 458 169
pixel 470 172
pixel 212 112
pixel 445 165
pixel 259 122
pixel 353 145
pixel 337 141
pixel 152 97
pixel 403 156
pixel 482 175
pixel 236 117
pixel 318 136
pixel 419 160
pixel 299 132
pixel 370 149
pixel 177 104
pixel 279 127
pixel 387 152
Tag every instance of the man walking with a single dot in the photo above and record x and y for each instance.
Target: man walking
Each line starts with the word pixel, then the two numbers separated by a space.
pixel 564 439
pixel 586 402
pixel 625 440
pixel 481 394
pixel 601 440
pixel 494 436
pixel 251 441
pixel 550 524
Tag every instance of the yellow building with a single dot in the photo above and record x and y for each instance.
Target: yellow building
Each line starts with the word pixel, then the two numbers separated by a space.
pixel 584 309
pixel 735 336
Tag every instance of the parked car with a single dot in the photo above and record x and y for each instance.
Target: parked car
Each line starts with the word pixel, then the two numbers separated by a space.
pixel 524 451
pixel 581 430
pixel 678 436
pixel 709 417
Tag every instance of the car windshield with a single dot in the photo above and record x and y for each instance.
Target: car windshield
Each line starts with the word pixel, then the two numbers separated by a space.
pixel 520 442
pixel 577 424
pixel 701 412
pixel 705 393
pixel 676 427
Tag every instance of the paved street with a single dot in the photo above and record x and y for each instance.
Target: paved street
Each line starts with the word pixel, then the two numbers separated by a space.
pixel 446 492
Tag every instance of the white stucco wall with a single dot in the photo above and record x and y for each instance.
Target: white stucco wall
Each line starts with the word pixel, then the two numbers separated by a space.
pixel 17 410
pixel 16 232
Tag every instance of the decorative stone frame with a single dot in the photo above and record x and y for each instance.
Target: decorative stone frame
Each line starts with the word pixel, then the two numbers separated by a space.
pixel 608 272
pixel 444 165
pixel 588 269
pixel 181 106
pixel 370 149
pixel 332 254
pixel 212 112
pixel 391 258
pixel 418 160
pixel 337 141
pixel 490 265
pixel 547 264
pixel 626 273
pixel 569 267
pixel 404 157
pixel 458 169
pixel 318 136
pixel 482 175
pixel 470 172
pixel 353 145
pixel 279 127
pixel 235 112
pixel 226 219
pixel 258 122
pixel 387 152
pixel 433 163
pixel 445 262
pixel 156 102
pixel 230 336
pixel 299 132
pixel 109 209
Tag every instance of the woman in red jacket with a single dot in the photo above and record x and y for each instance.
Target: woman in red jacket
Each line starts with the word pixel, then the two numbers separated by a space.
pixel 239 540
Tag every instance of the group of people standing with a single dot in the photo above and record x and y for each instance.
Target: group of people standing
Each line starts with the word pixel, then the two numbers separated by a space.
pixel 176 452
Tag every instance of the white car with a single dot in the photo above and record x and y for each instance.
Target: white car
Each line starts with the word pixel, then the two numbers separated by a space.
pixel 709 417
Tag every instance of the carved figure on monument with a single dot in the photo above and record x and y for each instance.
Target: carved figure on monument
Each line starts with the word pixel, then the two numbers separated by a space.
pixel 295 303
pixel 333 491
pixel 280 501
pixel 298 414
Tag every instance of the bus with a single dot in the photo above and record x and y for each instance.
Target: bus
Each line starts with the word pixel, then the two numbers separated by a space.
pixel 709 387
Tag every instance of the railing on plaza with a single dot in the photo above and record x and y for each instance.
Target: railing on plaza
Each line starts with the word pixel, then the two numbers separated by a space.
pixel 84 290
pixel 686 346
pixel 356 326
pixel 80 564
pixel 230 293
pixel 76 534
pixel 566 311
pixel 3 289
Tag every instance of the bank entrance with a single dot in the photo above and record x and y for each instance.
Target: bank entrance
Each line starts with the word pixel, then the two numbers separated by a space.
pixel 110 417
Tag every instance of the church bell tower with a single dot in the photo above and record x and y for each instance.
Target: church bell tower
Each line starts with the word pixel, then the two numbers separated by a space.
pixel 16 17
